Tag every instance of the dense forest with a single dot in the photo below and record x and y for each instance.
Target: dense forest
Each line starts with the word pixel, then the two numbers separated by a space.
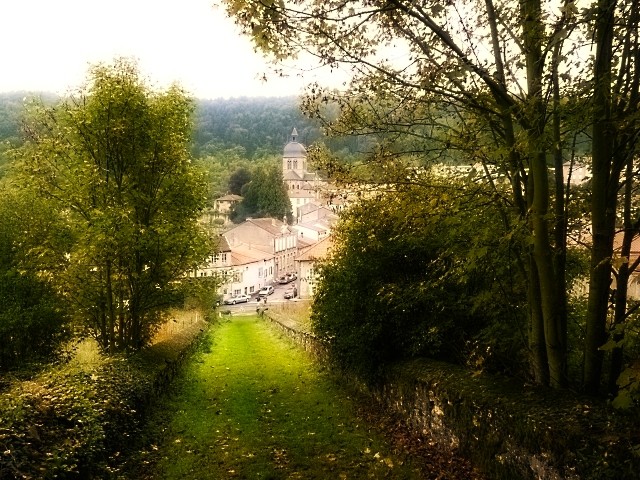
pixel 259 126
pixel 253 127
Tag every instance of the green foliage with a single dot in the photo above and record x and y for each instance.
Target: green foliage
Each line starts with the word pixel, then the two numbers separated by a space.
pixel 264 196
pixel 32 325
pixel 75 421
pixel 406 279
pixel 114 161
pixel 283 418
pixel 239 179
pixel 259 126
pixel 33 322
pixel 201 294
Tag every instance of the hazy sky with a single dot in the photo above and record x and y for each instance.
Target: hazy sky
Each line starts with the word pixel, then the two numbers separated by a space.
pixel 47 45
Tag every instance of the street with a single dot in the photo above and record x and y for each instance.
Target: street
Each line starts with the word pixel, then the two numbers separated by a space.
pixel 250 307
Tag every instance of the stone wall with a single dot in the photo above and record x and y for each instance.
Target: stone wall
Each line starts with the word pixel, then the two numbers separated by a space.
pixel 508 430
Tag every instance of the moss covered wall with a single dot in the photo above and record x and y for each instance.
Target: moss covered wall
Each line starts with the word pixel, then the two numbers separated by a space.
pixel 509 431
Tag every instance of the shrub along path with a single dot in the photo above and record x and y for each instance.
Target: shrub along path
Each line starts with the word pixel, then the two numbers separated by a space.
pixel 253 405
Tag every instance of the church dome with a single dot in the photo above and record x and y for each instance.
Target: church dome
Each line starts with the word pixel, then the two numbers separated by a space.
pixel 294 149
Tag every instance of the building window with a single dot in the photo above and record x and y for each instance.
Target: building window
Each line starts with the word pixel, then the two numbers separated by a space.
pixel 295 164
pixel 289 164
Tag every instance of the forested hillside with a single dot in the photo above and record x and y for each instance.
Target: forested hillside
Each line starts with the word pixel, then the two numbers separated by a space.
pixel 254 126
pixel 260 126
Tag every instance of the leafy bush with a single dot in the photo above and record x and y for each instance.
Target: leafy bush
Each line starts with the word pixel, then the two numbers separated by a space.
pixel 74 422
pixel 32 326
pixel 416 273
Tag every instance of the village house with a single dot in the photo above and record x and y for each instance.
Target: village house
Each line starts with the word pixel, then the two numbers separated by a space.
pixel 224 205
pixel 270 236
pixel 240 269
pixel 259 251
pixel 307 265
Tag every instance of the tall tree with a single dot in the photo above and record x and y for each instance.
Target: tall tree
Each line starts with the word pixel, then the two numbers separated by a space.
pixel 239 179
pixel 486 77
pixel 33 320
pixel 264 196
pixel 400 282
pixel 114 158
pixel 453 76
pixel 616 127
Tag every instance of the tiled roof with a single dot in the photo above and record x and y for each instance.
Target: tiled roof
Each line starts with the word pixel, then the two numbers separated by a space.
pixel 301 194
pixel 311 176
pixel 271 225
pixel 308 207
pixel 317 251
pixel 291 175
pixel 229 198
pixel 243 254
pixel 223 245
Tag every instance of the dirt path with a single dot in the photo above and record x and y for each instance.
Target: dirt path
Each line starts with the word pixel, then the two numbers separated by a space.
pixel 254 406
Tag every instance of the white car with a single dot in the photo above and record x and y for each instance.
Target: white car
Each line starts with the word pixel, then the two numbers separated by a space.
pixel 264 291
pixel 237 299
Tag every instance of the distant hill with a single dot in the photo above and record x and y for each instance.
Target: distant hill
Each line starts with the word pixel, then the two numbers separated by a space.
pixel 257 126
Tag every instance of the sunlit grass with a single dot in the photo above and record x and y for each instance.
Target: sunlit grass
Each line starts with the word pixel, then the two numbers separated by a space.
pixel 255 406
pixel 297 311
pixel 177 322
pixel 87 356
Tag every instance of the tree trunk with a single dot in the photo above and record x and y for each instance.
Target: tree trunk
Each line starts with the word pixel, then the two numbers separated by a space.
pixel 622 283
pixel 537 347
pixel 560 207
pixel 111 314
pixel 550 297
pixel 603 200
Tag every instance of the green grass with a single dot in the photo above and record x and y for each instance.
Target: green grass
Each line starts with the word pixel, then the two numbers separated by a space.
pixel 252 405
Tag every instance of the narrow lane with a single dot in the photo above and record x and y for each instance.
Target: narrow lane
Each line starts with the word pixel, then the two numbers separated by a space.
pixel 253 405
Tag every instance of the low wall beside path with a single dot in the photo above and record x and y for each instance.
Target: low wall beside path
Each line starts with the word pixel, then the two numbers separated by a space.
pixel 507 430
pixel 292 329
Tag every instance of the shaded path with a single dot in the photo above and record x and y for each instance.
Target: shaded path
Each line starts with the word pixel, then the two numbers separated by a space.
pixel 252 405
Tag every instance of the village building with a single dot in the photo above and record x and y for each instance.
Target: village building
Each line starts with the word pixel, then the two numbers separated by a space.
pixel 307 265
pixel 270 236
pixel 303 187
pixel 224 205
pixel 260 251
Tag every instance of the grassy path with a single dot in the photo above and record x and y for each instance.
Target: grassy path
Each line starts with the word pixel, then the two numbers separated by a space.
pixel 254 406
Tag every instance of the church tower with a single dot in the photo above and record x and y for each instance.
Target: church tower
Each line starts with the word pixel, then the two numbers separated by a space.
pixel 294 161
pixel 303 187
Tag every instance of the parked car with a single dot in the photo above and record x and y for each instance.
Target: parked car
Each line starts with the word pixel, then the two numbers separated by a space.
pixel 237 299
pixel 264 291
pixel 291 293
pixel 288 278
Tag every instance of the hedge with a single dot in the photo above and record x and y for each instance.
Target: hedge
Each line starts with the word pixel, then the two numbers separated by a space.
pixel 75 423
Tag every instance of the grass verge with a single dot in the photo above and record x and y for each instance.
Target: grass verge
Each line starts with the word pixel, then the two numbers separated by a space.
pixel 253 405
